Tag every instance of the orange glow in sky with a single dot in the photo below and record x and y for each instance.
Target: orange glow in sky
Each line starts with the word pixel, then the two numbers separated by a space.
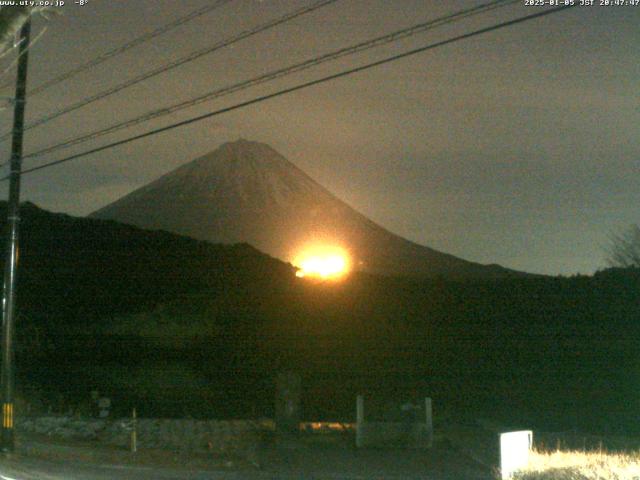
pixel 326 263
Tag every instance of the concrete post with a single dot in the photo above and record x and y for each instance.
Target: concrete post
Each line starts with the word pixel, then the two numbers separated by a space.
pixel 288 393
pixel 359 420
pixel 429 421
pixel 134 431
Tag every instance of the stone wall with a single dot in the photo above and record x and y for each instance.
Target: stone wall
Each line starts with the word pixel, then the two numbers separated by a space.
pixel 216 436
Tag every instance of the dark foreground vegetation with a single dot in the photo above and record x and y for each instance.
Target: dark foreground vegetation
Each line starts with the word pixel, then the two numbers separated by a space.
pixel 178 327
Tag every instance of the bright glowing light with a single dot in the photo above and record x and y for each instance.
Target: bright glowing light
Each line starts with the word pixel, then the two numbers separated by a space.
pixel 327 263
pixel 322 266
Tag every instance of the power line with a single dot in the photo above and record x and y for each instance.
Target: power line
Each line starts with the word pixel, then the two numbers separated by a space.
pixel 282 72
pixel 177 63
pixel 299 87
pixel 123 48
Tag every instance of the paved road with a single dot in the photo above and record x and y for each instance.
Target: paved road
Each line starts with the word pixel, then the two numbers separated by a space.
pixel 17 468
pixel 286 460
pixel 23 469
pixel 285 464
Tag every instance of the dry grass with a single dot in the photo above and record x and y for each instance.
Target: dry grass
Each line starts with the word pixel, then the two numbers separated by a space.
pixel 574 465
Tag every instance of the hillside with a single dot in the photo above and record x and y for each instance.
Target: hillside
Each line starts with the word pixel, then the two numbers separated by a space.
pixel 178 327
pixel 83 269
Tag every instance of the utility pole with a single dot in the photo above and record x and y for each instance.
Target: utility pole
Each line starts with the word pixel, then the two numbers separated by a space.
pixel 7 377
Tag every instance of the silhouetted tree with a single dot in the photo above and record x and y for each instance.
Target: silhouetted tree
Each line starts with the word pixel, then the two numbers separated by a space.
pixel 624 250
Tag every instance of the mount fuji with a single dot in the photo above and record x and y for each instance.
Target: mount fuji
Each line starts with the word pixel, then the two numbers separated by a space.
pixel 247 192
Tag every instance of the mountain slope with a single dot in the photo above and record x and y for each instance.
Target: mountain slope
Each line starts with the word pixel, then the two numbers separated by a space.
pixel 77 268
pixel 247 192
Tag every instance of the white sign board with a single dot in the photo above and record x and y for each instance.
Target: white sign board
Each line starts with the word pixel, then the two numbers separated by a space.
pixel 514 451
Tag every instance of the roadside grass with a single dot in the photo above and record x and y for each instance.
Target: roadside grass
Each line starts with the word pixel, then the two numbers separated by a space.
pixel 579 465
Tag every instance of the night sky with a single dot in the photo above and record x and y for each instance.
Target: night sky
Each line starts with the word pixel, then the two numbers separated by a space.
pixel 519 147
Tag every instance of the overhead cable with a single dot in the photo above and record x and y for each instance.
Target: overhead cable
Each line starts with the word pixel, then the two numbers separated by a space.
pixel 174 64
pixel 127 46
pixel 279 73
pixel 299 87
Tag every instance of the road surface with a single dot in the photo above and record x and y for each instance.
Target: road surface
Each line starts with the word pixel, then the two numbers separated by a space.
pixel 44 460
pixel 290 465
